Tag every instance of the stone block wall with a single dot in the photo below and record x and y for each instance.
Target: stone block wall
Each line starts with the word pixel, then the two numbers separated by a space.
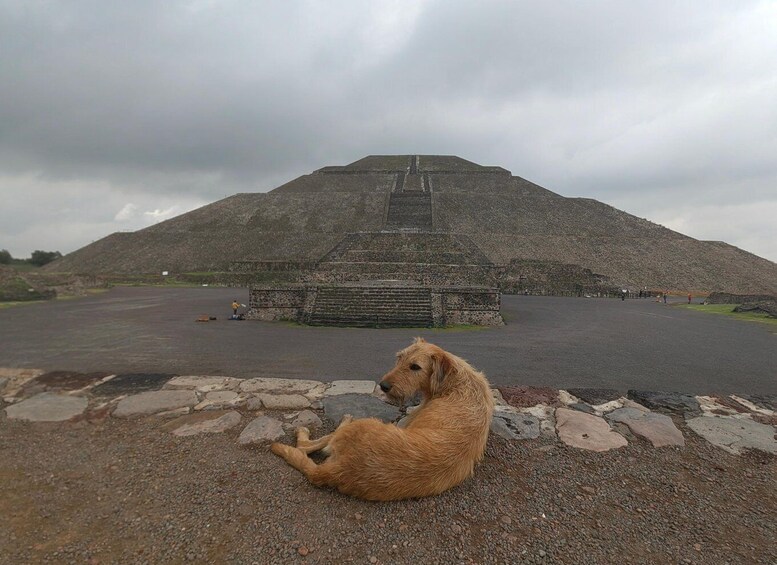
pixel 270 303
pixel 470 306
pixel 425 274
pixel 449 306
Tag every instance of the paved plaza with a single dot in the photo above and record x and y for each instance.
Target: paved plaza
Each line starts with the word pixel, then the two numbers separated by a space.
pixel 548 341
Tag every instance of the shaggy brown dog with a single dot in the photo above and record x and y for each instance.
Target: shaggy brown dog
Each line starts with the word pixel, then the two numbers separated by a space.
pixel 444 438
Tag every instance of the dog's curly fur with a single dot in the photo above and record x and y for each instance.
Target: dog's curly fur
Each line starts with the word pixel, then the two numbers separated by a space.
pixel 444 438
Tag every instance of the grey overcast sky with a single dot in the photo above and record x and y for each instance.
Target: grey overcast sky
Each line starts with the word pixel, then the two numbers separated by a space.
pixel 116 115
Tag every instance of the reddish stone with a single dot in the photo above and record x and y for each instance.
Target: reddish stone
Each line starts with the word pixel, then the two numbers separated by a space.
pixel 527 396
pixel 730 403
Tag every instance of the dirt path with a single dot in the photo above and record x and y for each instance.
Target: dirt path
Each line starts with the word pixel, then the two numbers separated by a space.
pixel 127 492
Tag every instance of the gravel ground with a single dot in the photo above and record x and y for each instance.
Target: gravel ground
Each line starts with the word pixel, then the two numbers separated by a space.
pixel 127 492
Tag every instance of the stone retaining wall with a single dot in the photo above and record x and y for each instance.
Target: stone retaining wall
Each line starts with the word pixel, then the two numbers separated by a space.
pixel 728 298
pixel 449 305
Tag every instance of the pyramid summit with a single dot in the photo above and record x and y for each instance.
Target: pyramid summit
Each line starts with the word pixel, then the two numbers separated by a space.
pixel 383 211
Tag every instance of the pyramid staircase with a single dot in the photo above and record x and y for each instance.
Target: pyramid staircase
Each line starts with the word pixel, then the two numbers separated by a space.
pixel 372 306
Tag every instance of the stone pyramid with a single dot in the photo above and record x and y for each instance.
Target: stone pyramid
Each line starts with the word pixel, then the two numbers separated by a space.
pixel 428 209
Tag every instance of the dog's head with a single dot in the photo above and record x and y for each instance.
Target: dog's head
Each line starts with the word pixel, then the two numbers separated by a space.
pixel 422 367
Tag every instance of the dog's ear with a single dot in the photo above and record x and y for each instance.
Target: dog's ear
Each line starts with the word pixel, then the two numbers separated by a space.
pixel 442 365
pixel 419 340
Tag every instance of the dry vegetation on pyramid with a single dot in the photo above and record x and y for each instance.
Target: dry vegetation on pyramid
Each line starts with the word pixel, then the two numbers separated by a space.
pixel 491 216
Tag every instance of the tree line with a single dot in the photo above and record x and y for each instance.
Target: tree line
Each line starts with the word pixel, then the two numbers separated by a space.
pixel 38 257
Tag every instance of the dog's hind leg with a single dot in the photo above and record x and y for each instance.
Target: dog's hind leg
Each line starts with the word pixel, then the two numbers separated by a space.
pixel 305 444
pixel 300 461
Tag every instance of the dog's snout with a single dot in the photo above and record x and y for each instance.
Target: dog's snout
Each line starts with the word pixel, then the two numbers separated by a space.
pixel 385 386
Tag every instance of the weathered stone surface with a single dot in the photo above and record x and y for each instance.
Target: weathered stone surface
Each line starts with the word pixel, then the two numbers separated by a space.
pixel 585 431
pixel 3 382
pixel 595 396
pixel 351 387
pixel 284 401
pixel 170 414
pixel 132 383
pixel 203 383
pixel 278 386
pixel 526 396
pixel 658 429
pixel 566 398
pixel 221 396
pixel 582 407
pixel 359 406
pixel 669 401
pixel 204 423
pixel 47 407
pixel 764 403
pixel 152 402
pixel 307 419
pixel 261 430
pixel 515 426
pixel 316 393
pixel 728 402
pixel 498 398
pixel 67 380
pixel 544 413
pixel 220 399
pixel 735 434
pixel 15 379
pixel 711 406
pixel 254 403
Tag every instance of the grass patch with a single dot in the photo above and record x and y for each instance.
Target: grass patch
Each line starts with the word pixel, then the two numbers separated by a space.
pixel 4 305
pixel 728 310
pixel 23 266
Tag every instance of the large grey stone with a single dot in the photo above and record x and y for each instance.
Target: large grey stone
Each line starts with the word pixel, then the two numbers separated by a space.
pixel 351 387
pixel 132 383
pixel 284 401
pixel 278 386
pixel 203 383
pixel 510 425
pixel 582 407
pixel 586 431
pixel 204 422
pixel 261 430
pixel 735 434
pixel 47 407
pixel 358 406
pixel 658 429
pixel 155 401
pixel 595 396
pixel 307 419
pixel 670 401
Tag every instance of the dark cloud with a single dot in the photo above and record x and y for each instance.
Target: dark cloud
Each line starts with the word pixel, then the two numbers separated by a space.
pixel 663 110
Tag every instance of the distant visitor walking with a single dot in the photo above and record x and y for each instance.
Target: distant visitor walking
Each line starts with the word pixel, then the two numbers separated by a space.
pixel 235 306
